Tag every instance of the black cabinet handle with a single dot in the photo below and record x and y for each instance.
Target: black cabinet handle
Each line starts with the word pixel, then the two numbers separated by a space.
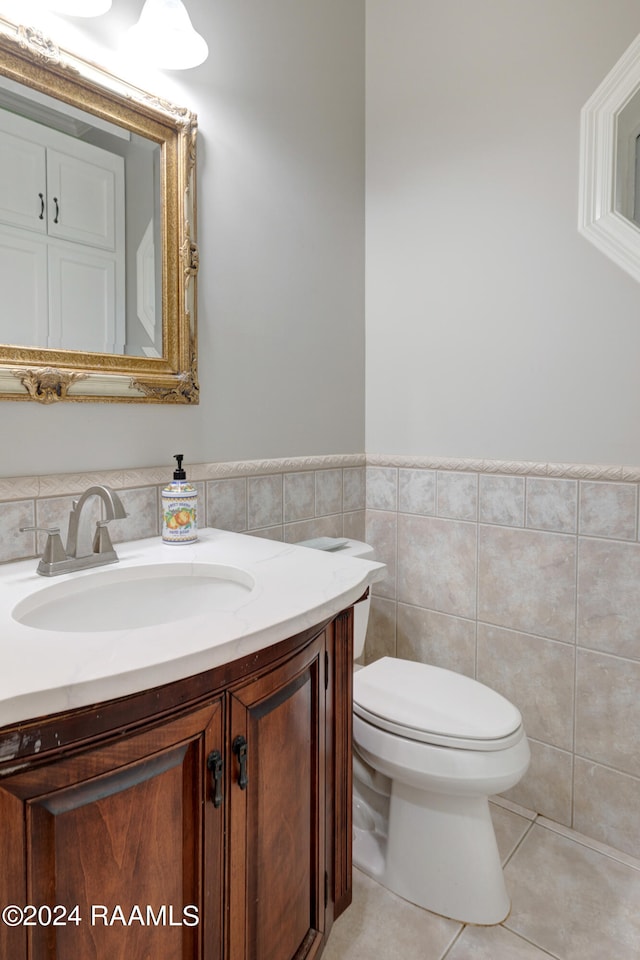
pixel 214 765
pixel 239 747
pixel 41 216
pixel 55 219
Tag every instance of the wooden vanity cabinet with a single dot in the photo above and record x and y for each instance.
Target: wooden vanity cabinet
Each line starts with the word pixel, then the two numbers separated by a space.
pixel 208 819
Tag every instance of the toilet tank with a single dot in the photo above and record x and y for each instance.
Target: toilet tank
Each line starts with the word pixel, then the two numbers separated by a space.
pixel 356 548
pixel 352 548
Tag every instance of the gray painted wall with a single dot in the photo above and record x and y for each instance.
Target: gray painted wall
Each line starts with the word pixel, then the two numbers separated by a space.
pixel 280 103
pixel 494 330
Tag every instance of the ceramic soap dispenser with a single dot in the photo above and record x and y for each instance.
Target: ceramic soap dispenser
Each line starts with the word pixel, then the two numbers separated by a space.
pixel 179 508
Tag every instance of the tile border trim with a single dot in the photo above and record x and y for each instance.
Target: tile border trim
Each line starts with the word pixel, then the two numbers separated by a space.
pixel 534 468
pixel 51 485
pixel 64 484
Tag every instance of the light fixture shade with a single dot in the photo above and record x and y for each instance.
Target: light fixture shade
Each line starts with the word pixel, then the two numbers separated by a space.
pixel 165 37
pixel 79 8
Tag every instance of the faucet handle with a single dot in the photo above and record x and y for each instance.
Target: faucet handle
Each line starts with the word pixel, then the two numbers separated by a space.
pixel 102 539
pixel 54 550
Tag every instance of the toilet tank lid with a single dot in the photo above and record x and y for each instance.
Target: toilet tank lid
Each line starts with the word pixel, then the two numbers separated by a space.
pixel 357 548
pixel 422 697
pixel 345 546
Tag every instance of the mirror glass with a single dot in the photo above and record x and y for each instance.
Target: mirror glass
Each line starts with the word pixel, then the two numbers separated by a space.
pixel 627 180
pixel 609 196
pixel 98 257
pixel 79 201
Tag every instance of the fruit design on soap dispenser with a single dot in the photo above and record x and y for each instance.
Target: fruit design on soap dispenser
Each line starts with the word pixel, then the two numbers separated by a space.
pixel 179 508
pixel 181 518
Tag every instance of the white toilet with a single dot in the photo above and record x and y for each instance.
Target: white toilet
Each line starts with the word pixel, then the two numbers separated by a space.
pixel 430 747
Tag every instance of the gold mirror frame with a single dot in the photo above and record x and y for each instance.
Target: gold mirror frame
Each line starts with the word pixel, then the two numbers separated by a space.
pixel 50 375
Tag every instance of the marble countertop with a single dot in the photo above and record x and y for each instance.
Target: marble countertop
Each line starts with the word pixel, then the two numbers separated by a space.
pixel 47 671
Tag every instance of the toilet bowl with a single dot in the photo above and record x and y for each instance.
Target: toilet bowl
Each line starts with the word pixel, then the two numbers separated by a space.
pixel 430 747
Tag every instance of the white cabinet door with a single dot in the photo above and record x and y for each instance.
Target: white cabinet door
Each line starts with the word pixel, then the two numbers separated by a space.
pixel 65 290
pixel 56 184
pixel 83 197
pixel 82 301
pixel 24 319
pixel 22 183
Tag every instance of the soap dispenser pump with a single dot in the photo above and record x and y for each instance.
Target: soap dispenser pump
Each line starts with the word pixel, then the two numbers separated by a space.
pixel 179 508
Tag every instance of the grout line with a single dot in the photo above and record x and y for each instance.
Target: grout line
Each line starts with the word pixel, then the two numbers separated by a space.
pixel 513 807
pixel 246 502
pixel 602 848
pixel 574 713
pixel 627 658
pixel 528 633
pixel 453 942
pixel 545 953
pixel 526 833
pixel 477 584
pixel 396 556
pixel 576 611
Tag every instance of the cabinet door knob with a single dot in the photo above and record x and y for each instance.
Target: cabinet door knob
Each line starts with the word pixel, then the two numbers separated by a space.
pixel 239 747
pixel 214 765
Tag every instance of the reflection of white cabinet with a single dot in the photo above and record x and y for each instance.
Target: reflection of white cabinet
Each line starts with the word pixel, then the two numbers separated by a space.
pixel 61 240
pixel 23 176
pixel 83 196
pixel 24 319
pixel 82 288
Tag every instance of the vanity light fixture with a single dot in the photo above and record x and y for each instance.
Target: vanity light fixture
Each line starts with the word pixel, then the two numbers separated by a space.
pixel 165 37
pixel 79 8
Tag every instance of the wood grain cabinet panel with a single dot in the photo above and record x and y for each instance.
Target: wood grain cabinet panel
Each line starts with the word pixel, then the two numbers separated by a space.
pixel 123 826
pixel 277 819
pixel 215 826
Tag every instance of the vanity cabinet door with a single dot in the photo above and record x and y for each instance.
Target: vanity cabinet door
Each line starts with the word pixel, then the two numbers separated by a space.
pixel 127 839
pixel 339 726
pixel 277 811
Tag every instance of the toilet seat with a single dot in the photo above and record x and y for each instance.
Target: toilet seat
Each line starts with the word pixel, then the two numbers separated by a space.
pixel 428 704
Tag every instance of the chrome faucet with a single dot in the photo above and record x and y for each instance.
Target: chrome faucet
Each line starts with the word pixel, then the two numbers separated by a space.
pixel 81 552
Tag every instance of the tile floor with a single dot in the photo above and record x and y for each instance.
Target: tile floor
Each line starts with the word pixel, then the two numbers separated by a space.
pixel 572 899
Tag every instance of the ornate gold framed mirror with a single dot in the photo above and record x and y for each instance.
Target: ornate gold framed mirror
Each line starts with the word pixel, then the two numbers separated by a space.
pixel 98 252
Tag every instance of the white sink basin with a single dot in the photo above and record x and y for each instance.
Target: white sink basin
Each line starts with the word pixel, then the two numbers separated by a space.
pixel 138 596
